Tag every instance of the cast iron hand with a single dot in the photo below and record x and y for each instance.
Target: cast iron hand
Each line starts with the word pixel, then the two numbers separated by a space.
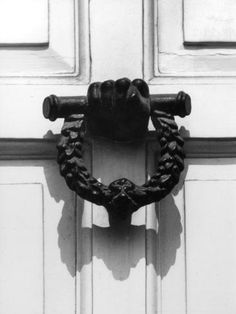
pixel 118 109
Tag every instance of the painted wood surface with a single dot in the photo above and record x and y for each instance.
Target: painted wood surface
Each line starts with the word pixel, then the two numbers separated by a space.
pixel 211 253
pixel 209 21
pixel 73 258
pixel 119 265
pixel 37 237
pixel 65 249
pixel 21 248
pixel 210 230
pixel 25 22
pixel 169 58
pixel 50 47
pixel 72 62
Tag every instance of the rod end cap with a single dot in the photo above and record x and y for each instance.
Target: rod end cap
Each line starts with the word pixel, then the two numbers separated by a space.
pixel 50 107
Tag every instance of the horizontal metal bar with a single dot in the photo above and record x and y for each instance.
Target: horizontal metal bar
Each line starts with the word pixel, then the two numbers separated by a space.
pixel 55 107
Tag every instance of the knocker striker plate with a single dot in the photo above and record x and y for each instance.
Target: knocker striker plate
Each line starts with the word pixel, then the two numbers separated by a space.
pixel 119 110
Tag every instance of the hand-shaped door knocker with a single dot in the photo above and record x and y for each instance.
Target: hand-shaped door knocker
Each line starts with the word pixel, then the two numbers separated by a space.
pixel 119 110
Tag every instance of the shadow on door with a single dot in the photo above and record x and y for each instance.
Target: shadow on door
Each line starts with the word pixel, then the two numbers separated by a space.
pixel 117 239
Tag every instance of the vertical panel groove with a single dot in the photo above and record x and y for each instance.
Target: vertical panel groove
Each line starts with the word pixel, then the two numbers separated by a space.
pixel 84 285
pixel 43 253
pixel 185 250
pixel 76 249
pixel 151 246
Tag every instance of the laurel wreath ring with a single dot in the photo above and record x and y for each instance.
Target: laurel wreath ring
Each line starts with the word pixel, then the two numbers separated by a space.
pixel 121 197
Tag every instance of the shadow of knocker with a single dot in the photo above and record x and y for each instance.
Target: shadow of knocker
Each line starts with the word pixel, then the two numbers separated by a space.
pixel 119 110
pixel 115 239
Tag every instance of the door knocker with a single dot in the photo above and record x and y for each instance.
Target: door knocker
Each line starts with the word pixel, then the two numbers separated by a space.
pixel 119 110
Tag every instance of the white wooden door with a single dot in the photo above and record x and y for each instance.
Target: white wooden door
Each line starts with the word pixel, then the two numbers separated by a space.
pixel 58 253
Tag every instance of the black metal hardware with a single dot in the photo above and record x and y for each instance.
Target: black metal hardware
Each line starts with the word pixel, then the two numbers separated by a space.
pixel 119 110
pixel 55 107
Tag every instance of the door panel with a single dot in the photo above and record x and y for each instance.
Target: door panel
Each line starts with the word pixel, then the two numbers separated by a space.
pixel 51 49
pixel 24 13
pixel 21 236
pixel 193 251
pixel 209 21
pixel 35 230
pixel 211 253
pixel 210 230
pixel 205 70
